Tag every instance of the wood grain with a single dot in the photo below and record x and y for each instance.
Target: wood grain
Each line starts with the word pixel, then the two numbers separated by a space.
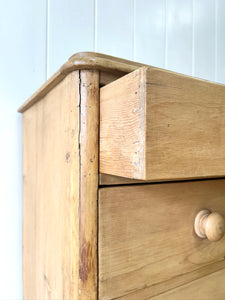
pixel 173 283
pixel 122 127
pixel 110 69
pixel 106 179
pixel 147 243
pixel 209 225
pixel 160 125
pixel 60 138
pixel 50 194
pixel 207 288
pixel 89 124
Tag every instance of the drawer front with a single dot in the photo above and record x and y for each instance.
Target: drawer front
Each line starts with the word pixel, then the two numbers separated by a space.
pixel 160 125
pixel 206 288
pixel 147 243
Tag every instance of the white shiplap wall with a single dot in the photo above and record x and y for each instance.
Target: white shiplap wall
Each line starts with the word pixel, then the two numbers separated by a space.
pixel 38 36
pixel 186 36
pixel 22 70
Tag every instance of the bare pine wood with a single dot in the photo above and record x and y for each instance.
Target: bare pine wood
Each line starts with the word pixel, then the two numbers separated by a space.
pixel 51 194
pixel 174 282
pixel 106 179
pixel 155 125
pixel 159 125
pixel 60 191
pixel 209 225
pixel 214 227
pixel 89 124
pixel 122 128
pixel 110 68
pixel 147 242
pixel 207 288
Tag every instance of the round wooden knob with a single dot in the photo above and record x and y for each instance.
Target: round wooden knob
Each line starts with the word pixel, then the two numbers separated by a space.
pixel 209 225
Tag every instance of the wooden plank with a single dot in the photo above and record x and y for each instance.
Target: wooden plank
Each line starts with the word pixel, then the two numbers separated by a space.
pixel 106 78
pixel 60 191
pixel 160 125
pixel 105 179
pixel 122 127
pixel 173 283
pixel 89 120
pixel 50 194
pixel 112 66
pixel 206 288
pixel 146 240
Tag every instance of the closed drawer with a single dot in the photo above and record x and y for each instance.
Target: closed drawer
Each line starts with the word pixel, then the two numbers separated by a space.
pixel 206 288
pixel 147 243
pixel 159 125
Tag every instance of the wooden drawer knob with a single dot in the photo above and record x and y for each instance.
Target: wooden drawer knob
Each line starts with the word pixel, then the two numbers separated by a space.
pixel 209 225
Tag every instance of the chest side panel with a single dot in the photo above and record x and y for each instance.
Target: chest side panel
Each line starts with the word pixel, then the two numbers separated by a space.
pixel 50 193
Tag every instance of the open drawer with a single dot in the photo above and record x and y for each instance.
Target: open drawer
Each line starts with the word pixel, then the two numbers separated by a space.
pixel 158 125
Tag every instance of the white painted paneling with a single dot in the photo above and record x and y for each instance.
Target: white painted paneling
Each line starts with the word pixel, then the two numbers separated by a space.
pixel 115 27
pixel 70 30
pixel 220 42
pixel 10 202
pixel 178 37
pixel 204 39
pixel 149 47
pixel 22 51
pixel 22 71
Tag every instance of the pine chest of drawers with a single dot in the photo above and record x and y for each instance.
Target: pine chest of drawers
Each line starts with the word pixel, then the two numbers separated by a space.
pixel 123 189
